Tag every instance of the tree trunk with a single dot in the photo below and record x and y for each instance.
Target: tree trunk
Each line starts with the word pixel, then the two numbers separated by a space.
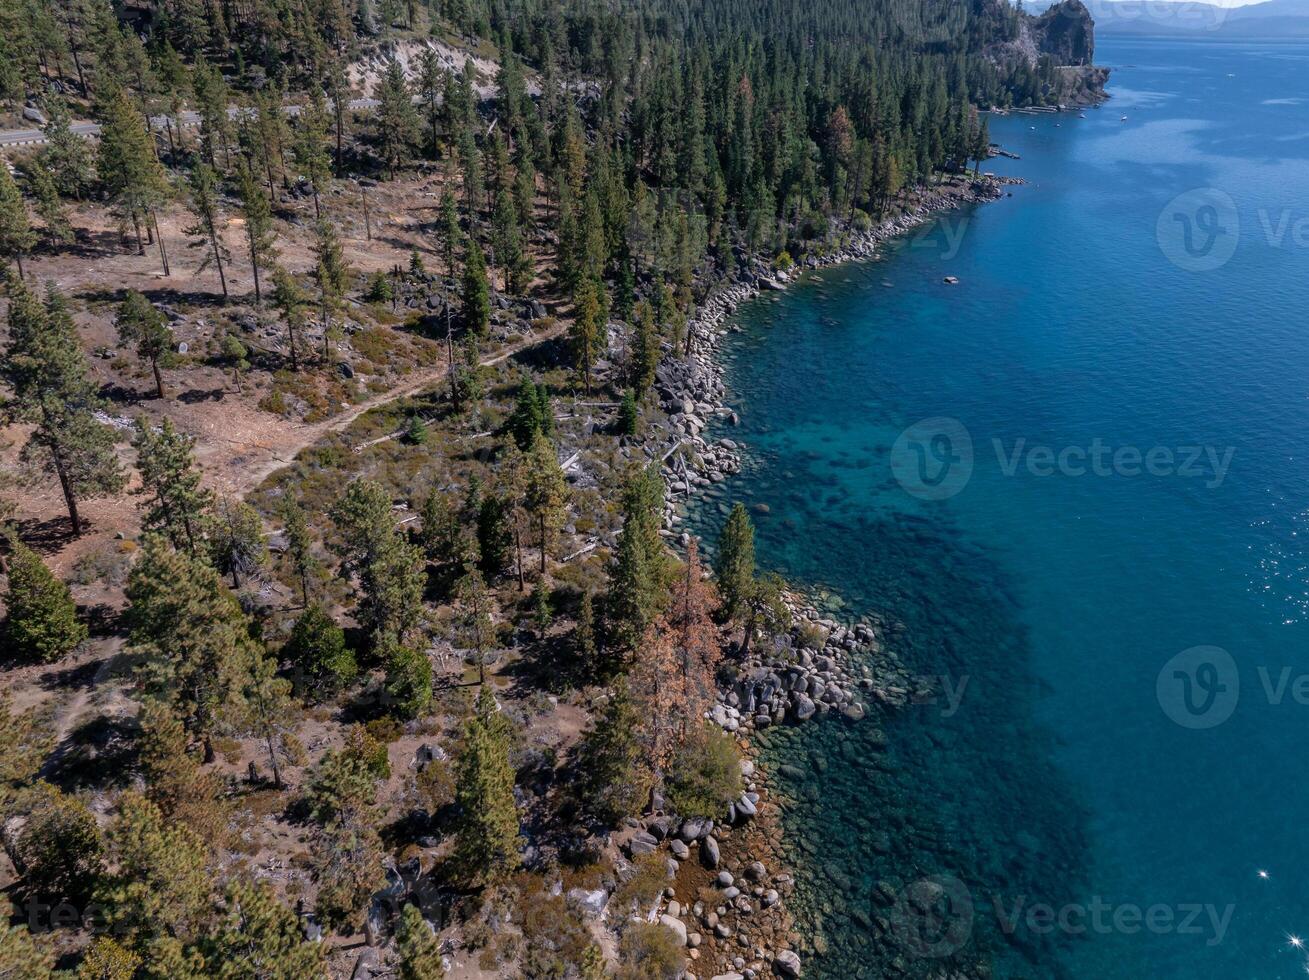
pixel 543 542
pixel 518 545
pixel 159 381
pixel 218 261
pixel 159 237
pixel 318 214
pixel 66 486
pixel 290 341
pixel 208 743
pixel 136 227
pixel 272 761
pixel 254 264
pixel 18 258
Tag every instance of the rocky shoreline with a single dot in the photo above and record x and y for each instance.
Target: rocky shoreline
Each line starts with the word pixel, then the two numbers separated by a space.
pixel 737 927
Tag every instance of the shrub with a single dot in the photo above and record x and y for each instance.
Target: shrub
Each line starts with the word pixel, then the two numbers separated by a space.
pixel 408 681
pixel 362 744
pixel 648 880
pixel 649 951
pixel 705 776
pixel 783 262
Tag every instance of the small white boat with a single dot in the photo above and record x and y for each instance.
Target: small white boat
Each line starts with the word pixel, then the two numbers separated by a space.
pixel 1122 119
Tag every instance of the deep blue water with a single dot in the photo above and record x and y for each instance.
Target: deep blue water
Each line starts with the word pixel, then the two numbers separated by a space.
pixel 1083 312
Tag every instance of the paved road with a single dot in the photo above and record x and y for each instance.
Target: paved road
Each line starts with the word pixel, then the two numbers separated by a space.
pixel 32 137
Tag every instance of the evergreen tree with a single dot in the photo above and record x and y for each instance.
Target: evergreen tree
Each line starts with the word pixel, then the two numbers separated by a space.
pixel 614 777
pixel 645 351
pixel 397 122
pixel 107 959
pixel 258 215
pixel 66 155
pixel 236 540
pixel 16 234
pixel 299 546
pixel 23 956
pixel 266 713
pixel 441 534
pixel 628 415
pixel 207 230
pixel 532 414
pixel 546 492
pixel 290 301
pixel 584 638
pixel 638 575
pixel 42 623
pixel 140 324
pixel 590 322
pixel 309 148
pixel 735 562
pixel 195 642
pixel 477 298
pixel 129 169
pixel 431 80
pixel 174 502
pixel 477 631
pixel 420 950
pixel 237 356
pixel 46 371
pixel 408 680
pixel 58 850
pixel 159 887
pixel 389 570
pixel 260 937
pixel 494 536
pixel 331 273
pixel 174 780
pixel 320 660
pixel 49 207
pixel 486 846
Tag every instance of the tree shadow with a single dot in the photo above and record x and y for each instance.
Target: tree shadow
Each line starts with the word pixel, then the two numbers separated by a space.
pixel 196 395
pixel 162 296
pixel 48 536
pixel 96 754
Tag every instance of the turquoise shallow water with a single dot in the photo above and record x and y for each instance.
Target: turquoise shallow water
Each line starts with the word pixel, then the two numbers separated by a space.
pixel 1093 308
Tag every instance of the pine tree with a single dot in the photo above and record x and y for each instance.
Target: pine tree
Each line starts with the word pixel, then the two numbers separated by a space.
pixel 236 540
pixel 331 273
pixel 16 235
pixel 58 850
pixel 408 680
pixel 49 207
pixel 629 417
pixel 45 369
pixel 486 846
pixel 234 351
pixel 25 741
pixel 174 780
pixel 309 148
pixel 585 644
pixel 207 230
pixel 140 324
pixel 320 660
pixel 299 546
pixel 267 714
pixel 258 215
pixel 107 959
pixel 477 631
pixel 389 570
pixel 396 119
pixel 159 888
pixel 65 154
pixel 645 351
pixel 532 414
pixel 590 321
pixel 477 298
pixel 735 562
pixel 441 534
pixel 546 492
pixel 24 956
pixel 260 937
pixel 638 575
pixel 420 950
pixel 615 777
pixel 129 169
pixel 174 502
pixel 42 623
pixel 195 642
pixel 431 80
pixel 290 301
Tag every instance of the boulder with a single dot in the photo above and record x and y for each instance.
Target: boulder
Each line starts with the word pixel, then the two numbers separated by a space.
pixel 591 901
pixel 709 855
pixel 675 924
pixel 786 964
pixel 641 843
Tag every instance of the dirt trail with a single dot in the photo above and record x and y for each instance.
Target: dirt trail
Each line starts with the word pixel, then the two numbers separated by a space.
pixel 237 465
